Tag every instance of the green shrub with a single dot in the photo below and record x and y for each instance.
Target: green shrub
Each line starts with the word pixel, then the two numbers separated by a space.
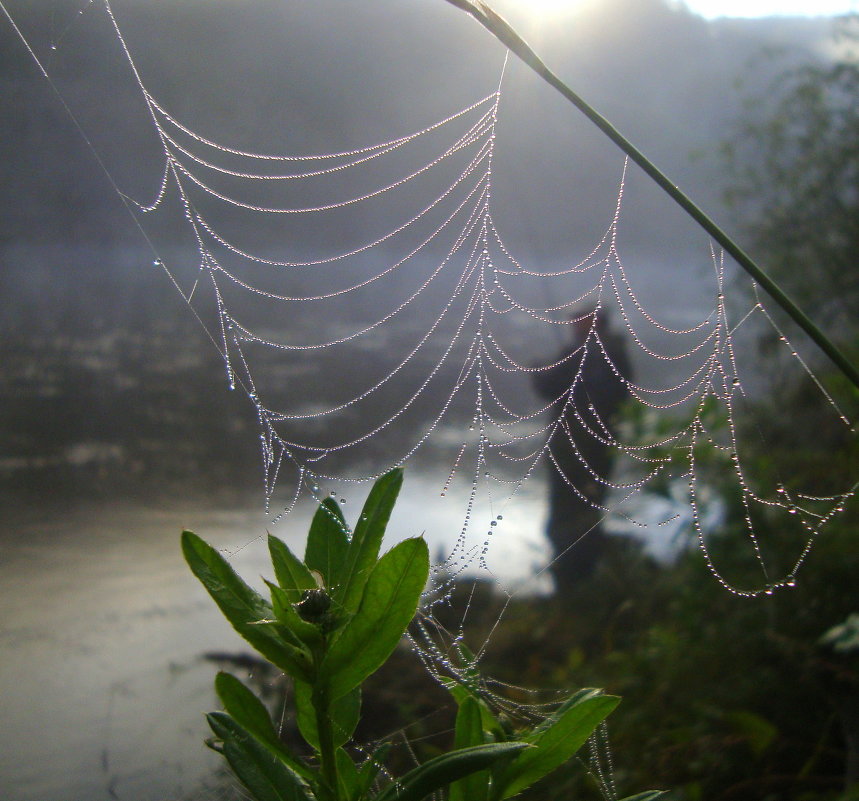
pixel 333 620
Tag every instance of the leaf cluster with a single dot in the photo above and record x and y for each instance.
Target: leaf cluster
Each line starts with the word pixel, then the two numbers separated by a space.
pixel 332 620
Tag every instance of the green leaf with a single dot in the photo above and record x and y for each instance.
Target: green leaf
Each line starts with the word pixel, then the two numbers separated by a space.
pixel 344 712
pixel 304 632
pixel 445 769
pixel 291 573
pixel 555 741
pixel 347 775
pixel 242 606
pixel 647 795
pixel 327 542
pixel 367 540
pixel 469 732
pixel 390 600
pixel 371 767
pixel 248 712
pixel 461 692
pixel 266 777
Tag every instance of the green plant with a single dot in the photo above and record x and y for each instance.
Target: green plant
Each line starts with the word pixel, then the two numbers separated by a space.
pixel 332 621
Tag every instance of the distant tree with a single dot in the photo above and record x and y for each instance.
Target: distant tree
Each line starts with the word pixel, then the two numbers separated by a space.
pixel 797 188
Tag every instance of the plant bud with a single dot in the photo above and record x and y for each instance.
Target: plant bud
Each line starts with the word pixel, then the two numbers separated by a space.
pixel 313 605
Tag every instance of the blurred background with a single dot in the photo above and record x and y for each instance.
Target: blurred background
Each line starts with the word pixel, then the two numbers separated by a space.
pixel 117 429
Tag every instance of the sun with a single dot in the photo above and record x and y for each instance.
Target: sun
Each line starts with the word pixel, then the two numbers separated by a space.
pixel 544 9
pixel 552 8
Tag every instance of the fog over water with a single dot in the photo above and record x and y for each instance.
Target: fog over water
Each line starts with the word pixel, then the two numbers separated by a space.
pixel 117 428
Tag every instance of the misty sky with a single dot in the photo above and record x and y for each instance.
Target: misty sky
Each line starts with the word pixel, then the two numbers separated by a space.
pixel 765 8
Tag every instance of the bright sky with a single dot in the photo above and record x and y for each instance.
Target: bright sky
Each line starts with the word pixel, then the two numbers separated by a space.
pixel 765 8
pixel 723 8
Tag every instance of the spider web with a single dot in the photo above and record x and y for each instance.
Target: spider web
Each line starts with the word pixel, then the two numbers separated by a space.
pixel 447 368
pixel 447 347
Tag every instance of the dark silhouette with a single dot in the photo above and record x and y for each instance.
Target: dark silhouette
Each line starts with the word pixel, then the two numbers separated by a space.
pixel 587 389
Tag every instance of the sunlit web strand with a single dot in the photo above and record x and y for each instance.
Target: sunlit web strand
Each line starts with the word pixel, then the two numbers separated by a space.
pixel 473 134
pixel 249 336
pixel 376 276
pixel 319 156
pixel 325 206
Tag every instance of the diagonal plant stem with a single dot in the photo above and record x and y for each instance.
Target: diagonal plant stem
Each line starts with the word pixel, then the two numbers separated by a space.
pixel 501 29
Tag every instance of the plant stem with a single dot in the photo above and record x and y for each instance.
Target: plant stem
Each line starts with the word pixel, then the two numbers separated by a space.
pixel 502 31
pixel 327 759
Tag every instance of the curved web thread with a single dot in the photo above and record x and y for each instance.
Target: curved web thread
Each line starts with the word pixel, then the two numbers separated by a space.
pixel 455 288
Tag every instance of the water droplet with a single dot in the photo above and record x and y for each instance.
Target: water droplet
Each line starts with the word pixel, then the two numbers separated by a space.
pixel 790 582
pixel 792 510
pixel 342 501
pixel 315 488
pixel 500 517
pixel 494 523
pixel 333 494
pixel 53 47
pixel 736 382
pixel 157 263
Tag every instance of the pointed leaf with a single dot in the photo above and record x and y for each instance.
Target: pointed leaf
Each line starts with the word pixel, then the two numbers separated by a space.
pixel 371 767
pixel 249 713
pixel 344 712
pixel 367 540
pixel 461 692
pixel 647 795
pixel 242 606
pixel 469 732
pixel 347 775
pixel 390 600
pixel 291 573
pixel 267 778
pixel 442 770
pixel 555 742
pixel 327 542
pixel 305 633
pixel 247 722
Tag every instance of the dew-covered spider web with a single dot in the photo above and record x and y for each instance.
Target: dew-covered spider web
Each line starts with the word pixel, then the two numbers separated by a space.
pixel 382 318
pixel 423 322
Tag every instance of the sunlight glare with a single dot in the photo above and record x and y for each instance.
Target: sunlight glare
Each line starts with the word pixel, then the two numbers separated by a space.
pixel 547 9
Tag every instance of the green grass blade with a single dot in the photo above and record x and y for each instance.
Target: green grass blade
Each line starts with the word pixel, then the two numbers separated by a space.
pixel 327 542
pixel 242 606
pixel 389 603
pixel 367 540
pixel 445 769
pixel 554 743
pixel 291 573
pixel 647 795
